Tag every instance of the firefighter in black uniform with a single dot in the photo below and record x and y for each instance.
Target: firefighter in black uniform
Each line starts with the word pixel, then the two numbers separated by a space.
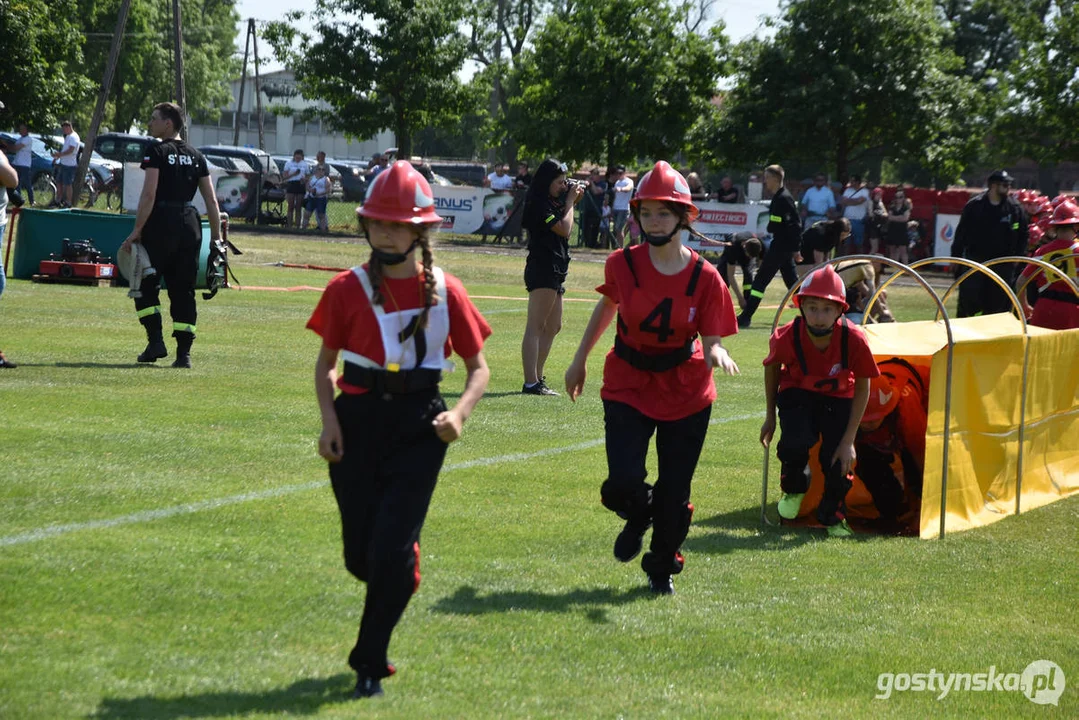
pixel 993 225
pixel 168 226
pixel 786 227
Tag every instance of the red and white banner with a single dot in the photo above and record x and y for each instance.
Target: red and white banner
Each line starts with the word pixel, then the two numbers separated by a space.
pixel 717 220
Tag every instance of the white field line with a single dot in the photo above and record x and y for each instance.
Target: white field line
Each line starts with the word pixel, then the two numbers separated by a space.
pixel 52 531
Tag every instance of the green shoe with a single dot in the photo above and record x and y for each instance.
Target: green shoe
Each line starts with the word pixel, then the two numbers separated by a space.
pixel 842 529
pixel 790 504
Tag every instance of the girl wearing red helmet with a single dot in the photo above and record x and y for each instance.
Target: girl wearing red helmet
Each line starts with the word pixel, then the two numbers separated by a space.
pixel 658 377
pixel 393 321
pixel 1056 307
pixel 817 375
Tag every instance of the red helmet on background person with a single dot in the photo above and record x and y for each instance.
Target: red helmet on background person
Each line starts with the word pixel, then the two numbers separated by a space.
pixel 666 184
pixel 400 194
pixel 1042 205
pixel 1062 198
pixel 1066 213
pixel 1035 235
pixel 883 399
pixel 825 284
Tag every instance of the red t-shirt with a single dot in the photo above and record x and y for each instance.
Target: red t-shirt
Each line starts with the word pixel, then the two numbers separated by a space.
pixel 1055 253
pixel 825 371
pixel 345 320
pixel 657 317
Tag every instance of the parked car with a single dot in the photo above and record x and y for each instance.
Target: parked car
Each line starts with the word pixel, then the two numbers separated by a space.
pixel 123 147
pixel 40 166
pixel 258 159
pixel 230 163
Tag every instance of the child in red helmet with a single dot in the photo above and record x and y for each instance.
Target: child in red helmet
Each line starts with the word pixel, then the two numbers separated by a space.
pixel 658 377
pixel 393 321
pixel 1057 307
pixel 817 375
pixel 893 427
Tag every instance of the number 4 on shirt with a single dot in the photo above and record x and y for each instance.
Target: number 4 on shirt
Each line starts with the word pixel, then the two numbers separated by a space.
pixel 658 321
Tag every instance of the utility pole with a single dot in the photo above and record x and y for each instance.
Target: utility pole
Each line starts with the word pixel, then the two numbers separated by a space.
pixel 243 81
pixel 99 109
pixel 258 81
pixel 178 44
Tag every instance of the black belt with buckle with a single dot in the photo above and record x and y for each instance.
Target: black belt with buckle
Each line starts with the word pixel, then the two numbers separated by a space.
pixel 653 363
pixel 395 383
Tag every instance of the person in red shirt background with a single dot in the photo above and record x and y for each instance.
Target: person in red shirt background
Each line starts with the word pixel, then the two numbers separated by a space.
pixel 1057 307
pixel 394 322
pixel 658 377
pixel 817 374
pixel 893 428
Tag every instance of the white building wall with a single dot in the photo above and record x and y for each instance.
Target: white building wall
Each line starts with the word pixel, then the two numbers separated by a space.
pixel 284 134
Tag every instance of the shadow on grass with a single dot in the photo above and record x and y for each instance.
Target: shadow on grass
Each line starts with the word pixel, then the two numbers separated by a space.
pixel 592 603
pixel 486 395
pixel 303 697
pixel 107 366
pixel 742 530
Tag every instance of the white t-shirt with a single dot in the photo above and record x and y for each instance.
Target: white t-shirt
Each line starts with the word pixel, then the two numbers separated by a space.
pixel 23 158
pixel 622 191
pixel 318 187
pixel 292 166
pixel 856 212
pixel 72 158
pixel 500 183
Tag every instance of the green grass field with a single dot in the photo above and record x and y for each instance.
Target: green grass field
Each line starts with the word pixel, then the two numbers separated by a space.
pixel 169 543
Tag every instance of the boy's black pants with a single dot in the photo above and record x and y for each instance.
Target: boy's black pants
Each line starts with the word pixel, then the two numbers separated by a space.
pixel 804 417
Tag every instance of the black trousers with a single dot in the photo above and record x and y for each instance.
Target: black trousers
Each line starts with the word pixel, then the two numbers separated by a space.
pixel 775 261
pixel 383 485
pixel 805 417
pixel 173 240
pixel 980 295
pixel 666 504
pixel 590 228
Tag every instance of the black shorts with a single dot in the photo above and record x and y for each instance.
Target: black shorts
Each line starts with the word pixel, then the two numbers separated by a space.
pixel 545 275
pixel 294 187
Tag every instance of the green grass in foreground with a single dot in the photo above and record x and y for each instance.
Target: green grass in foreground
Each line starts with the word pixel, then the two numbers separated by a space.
pixel 242 607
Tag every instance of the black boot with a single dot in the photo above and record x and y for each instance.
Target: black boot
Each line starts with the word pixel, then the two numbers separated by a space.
pixel 746 316
pixel 628 543
pixel 366 687
pixel 183 349
pixel 155 343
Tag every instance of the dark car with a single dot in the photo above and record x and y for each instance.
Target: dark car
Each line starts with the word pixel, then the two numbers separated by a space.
pixel 352 180
pixel 258 159
pixel 123 147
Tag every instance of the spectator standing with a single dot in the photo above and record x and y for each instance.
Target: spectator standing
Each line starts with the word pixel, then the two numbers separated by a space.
pixel 592 208
pixel 499 180
pixel 818 202
pixel 623 192
pixel 696 189
pixel 316 199
pixel 295 174
pixel 67 160
pixel 992 225
pixel 877 221
pixel 855 202
pixel 381 163
pixel 8 179
pixel 23 160
pixel 523 180
pixel 896 235
pixel 729 192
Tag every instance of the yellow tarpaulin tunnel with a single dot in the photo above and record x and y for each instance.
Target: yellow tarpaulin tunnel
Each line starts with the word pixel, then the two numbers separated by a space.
pixel 1002 418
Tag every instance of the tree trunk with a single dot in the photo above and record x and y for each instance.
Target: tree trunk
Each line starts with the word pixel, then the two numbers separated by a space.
pixel 1047 181
pixel 403 138
pixel 842 158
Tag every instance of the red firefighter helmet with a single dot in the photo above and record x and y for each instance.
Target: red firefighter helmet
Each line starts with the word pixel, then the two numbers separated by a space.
pixel 400 194
pixel 824 283
pixel 1067 213
pixel 1034 236
pixel 665 183
pixel 883 397
pixel 1043 205
pixel 1060 199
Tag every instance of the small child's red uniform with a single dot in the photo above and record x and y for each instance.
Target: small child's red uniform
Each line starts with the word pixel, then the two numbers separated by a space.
pixel 831 372
pixel 1057 307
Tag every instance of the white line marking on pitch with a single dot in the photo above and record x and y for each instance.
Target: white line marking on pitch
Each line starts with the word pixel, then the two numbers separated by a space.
pixel 52 531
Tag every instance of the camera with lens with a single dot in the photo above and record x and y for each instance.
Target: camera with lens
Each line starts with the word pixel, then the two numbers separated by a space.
pixel 580 185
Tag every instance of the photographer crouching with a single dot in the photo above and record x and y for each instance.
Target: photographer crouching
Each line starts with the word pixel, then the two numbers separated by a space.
pixel 548 218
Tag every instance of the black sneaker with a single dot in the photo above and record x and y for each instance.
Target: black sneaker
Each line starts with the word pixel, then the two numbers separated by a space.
pixel 743 322
pixel 661 584
pixel 5 363
pixel 628 543
pixel 539 388
pixel 154 351
pixel 367 687
pixel 183 360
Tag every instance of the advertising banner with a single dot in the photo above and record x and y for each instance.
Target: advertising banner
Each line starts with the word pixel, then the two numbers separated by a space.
pixel 720 219
pixel 235 191
pixel 945 233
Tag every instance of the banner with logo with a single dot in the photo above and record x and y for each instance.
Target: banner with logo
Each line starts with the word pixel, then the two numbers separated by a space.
pixel 718 220
pixel 944 235
pixel 235 191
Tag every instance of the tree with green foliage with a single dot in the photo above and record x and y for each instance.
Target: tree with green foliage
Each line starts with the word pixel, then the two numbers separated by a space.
pixel 144 71
pixel 43 60
pixel 379 64
pixel 614 80
pixel 842 80
pixel 1041 118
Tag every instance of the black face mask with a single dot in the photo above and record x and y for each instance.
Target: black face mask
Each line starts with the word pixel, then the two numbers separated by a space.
pixel 391 258
pixel 813 331
pixel 659 240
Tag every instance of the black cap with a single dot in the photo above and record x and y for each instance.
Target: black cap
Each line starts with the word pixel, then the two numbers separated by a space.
pixel 1001 176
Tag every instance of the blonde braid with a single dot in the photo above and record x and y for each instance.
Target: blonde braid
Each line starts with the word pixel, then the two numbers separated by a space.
pixel 430 297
